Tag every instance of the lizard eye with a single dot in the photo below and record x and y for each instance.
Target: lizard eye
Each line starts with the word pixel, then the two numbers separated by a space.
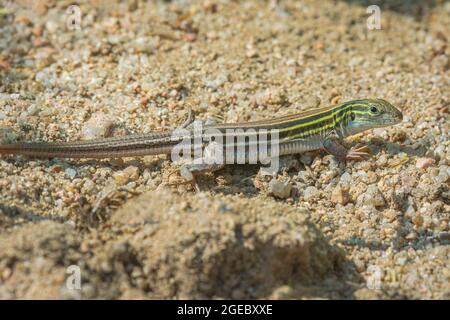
pixel 373 109
pixel 352 116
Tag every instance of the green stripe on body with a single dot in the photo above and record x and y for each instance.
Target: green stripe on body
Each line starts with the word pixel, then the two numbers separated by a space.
pixel 330 115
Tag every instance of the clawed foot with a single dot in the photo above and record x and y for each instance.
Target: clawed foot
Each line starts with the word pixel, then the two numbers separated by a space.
pixel 358 153
pixel 189 173
pixel 333 145
pixel 184 180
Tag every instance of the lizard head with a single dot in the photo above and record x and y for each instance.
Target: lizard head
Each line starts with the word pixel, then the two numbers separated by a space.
pixel 371 113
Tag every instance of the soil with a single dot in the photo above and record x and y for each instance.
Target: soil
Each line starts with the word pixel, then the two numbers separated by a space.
pixel 320 228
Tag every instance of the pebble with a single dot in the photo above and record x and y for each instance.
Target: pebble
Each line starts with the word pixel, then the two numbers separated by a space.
pixel 98 126
pixel 280 189
pixel 417 219
pixel 63 68
pixel 360 265
pixel 372 196
pixel 131 173
pixel 251 53
pixel 440 151
pixel 51 26
pixel 423 163
pixel 401 261
pixel 340 195
pixel 70 172
pixel 382 160
pixel 41 6
pixel 305 176
pixel 283 292
pixel 23 20
pixel 214 84
pixel 390 214
pixel 7 135
pixel 345 180
pixel 310 193
pixel 88 186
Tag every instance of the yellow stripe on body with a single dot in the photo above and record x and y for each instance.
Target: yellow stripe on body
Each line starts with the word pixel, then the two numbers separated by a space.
pixel 317 130
pixel 326 117
pixel 328 112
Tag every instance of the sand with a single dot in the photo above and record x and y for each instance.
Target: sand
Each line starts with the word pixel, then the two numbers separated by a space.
pixel 320 228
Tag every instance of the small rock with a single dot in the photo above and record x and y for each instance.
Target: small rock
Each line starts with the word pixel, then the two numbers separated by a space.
pixel 23 20
pixel 360 265
pixel 401 261
pixel 417 219
pixel 411 236
pixel 423 163
pixel 129 174
pixel 70 172
pixel 7 135
pixel 251 53
pixel 382 160
pixel 37 31
pixel 372 196
pixel 443 175
pixel 98 126
pixel 190 37
pixel 310 193
pixel 345 180
pixel 440 151
pixel 51 26
pixel 41 6
pixel 88 186
pixel 340 195
pixel 283 292
pixel 305 176
pixel 280 189
pixel 133 172
pixel 410 210
pixel 390 214
pixel 121 178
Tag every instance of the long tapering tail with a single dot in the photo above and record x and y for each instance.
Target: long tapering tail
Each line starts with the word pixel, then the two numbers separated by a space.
pixel 129 146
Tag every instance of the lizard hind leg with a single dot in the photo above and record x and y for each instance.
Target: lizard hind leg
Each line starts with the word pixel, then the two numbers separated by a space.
pixel 190 171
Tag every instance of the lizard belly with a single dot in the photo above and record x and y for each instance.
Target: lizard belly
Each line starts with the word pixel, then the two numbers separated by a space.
pixel 300 145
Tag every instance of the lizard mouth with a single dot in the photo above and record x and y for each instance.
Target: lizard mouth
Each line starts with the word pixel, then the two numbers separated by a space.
pixel 392 119
pixel 398 116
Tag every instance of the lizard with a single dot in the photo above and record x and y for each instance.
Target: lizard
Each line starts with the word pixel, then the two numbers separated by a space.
pixel 321 128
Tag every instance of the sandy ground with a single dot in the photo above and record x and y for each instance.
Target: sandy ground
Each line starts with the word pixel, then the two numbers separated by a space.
pixel 319 229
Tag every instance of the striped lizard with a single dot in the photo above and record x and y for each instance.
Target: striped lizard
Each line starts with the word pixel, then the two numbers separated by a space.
pixel 322 128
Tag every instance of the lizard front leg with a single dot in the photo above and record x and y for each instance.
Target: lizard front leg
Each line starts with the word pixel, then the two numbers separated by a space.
pixel 333 146
pixel 211 160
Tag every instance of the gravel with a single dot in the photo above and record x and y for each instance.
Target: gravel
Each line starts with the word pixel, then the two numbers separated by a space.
pixel 371 229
